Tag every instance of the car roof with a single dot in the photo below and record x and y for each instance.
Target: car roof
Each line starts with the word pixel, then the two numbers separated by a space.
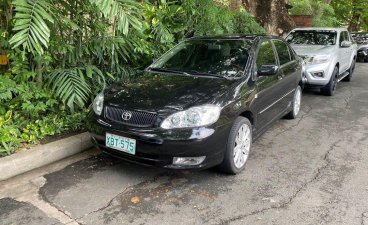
pixel 322 28
pixel 233 36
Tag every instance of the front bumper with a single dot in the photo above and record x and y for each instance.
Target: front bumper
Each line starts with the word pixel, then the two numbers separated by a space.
pixel 312 73
pixel 158 147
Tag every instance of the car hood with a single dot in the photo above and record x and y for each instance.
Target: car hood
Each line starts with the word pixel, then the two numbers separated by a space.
pixel 304 50
pixel 165 93
pixel 362 46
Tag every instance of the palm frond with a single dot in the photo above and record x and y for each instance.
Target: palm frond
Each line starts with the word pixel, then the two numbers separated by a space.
pixel 70 86
pixel 32 32
pixel 125 12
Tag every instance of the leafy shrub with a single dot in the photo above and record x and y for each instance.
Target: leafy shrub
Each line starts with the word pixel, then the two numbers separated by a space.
pixel 301 7
pixel 29 112
pixel 323 14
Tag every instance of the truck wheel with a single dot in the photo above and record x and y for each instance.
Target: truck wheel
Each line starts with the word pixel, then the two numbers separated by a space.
pixel 238 146
pixel 330 88
pixel 351 71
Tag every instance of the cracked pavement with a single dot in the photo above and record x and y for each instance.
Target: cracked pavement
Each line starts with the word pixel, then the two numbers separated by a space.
pixel 312 170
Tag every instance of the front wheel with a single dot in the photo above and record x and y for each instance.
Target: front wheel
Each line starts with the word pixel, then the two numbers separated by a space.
pixel 238 146
pixel 351 71
pixel 296 104
pixel 330 88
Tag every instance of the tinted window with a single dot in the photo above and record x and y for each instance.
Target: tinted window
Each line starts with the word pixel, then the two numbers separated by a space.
pixel 344 36
pixel 312 37
pixel 282 51
pixel 266 55
pixel 220 57
pixel 292 54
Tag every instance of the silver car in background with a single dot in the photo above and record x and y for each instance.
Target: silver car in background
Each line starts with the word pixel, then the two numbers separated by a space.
pixel 329 54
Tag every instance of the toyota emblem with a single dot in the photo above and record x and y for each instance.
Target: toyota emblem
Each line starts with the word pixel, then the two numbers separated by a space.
pixel 126 115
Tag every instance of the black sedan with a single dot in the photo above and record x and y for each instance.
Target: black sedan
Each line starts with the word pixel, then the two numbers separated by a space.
pixel 363 53
pixel 362 41
pixel 201 104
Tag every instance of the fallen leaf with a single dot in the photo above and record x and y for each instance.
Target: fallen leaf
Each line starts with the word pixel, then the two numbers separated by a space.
pixel 135 200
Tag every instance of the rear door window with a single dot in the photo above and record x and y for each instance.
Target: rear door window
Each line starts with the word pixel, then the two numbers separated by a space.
pixel 282 51
pixel 266 55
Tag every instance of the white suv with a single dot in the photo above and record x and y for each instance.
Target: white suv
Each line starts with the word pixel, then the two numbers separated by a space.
pixel 329 54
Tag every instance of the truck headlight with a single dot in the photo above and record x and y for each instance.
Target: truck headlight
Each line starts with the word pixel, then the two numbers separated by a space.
pixel 317 59
pixel 98 103
pixel 193 117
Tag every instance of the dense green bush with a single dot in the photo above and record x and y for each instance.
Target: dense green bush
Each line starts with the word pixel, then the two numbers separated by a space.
pixel 301 7
pixel 323 14
pixel 63 53
pixel 29 112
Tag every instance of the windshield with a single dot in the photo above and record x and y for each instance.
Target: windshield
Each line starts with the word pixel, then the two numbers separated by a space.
pixel 312 37
pixel 225 58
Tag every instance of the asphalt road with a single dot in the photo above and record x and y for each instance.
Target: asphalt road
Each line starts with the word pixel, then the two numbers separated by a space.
pixel 312 170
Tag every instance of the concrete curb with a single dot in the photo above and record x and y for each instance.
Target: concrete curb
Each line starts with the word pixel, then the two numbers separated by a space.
pixel 42 155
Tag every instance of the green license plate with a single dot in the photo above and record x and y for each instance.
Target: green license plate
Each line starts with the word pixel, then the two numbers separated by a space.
pixel 120 143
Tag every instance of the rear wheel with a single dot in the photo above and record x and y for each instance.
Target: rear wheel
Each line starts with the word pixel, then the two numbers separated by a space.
pixel 238 146
pixel 330 88
pixel 296 104
pixel 351 71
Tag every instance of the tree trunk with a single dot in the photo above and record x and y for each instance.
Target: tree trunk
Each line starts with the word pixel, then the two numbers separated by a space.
pixel 354 23
pixel 271 14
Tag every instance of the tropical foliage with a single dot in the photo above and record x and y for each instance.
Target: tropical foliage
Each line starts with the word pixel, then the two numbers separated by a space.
pixel 322 13
pixel 352 14
pixel 63 52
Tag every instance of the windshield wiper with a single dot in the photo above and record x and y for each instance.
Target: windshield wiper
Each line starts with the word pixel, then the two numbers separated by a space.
pixel 194 72
pixel 191 73
pixel 166 70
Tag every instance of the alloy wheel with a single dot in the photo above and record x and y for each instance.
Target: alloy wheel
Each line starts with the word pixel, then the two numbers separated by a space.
pixel 334 84
pixel 242 146
pixel 297 101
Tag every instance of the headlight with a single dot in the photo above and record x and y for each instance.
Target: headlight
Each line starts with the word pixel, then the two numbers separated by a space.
pixel 193 117
pixel 317 59
pixel 98 103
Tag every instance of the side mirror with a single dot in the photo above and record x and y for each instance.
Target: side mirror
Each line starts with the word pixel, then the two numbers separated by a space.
pixel 346 44
pixel 268 70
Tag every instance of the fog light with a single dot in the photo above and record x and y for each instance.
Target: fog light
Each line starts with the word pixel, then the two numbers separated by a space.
pixel 318 74
pixel 188 161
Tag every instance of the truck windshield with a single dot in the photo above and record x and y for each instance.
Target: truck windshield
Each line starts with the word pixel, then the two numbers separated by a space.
pixel 312 37
pixel 217 57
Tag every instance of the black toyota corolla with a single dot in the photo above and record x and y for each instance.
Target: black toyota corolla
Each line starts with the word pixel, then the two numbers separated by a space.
pixel 201 104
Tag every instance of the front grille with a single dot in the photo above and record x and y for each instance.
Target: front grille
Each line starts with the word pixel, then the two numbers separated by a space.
pixel 138 119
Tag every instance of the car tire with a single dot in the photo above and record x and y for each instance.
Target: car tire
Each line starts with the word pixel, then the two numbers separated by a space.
pixel 351 71
pixel 366 59
pixel 330 88
pixel 297 100
pixel 235 157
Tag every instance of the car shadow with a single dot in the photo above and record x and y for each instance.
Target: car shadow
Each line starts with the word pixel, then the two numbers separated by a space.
pixel 311 91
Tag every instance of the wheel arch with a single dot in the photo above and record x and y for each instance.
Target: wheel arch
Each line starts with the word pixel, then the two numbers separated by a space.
pixel 249 115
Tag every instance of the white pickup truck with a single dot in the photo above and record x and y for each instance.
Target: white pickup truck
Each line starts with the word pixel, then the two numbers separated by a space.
pixel 329 54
